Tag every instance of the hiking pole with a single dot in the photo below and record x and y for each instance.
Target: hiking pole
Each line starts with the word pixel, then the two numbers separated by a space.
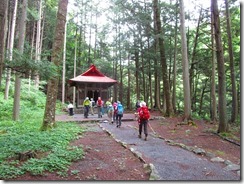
pixel 151 128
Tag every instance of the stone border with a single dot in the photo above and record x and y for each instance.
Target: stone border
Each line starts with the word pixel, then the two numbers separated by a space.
pixel 199 151
pixel 153 173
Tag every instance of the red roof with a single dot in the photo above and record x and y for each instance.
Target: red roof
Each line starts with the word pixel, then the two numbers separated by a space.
pixel 92 75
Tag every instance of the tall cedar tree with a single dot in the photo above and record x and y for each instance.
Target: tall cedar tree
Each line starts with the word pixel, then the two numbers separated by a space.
pixel 52 88
pixel 169 108
pixel 221 69
pixel 185 65
pixel 3 31
pixel 21 41
pixel 232 68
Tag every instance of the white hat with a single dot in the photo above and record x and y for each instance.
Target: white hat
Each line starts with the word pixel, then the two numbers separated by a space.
pixel 87 98
pixel 143 104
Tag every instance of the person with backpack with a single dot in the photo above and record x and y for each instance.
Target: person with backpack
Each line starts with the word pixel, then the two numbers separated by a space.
pixel 138 105
pixel 110 112
pixel 86 105
pixel 119 114
pixel 144 116
pixel 92 105
pixel 71 109
pixel 115 111
pixel 99 107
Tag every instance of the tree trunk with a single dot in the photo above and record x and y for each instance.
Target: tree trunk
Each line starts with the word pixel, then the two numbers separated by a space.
pixel 38 43
pixel 156 76
pixel 64 68
pixel 202 96
pixel 129 84
pixel 52 87
pixel 22 30
pixel 169 109
pixel 3 31
pixel 174 65
pixel 150 85
pixel 31 54
pixel 75 65
pixel 221 69
pixel 185 64
pixel 11 45
pixel 137 74
pixel 193 63
pixel 213 83
pixel 232 68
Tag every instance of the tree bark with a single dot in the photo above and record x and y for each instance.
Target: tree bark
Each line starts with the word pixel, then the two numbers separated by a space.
pixel 222 109
pixel 129 105
pixel 193 63
pixel 213 85
pixel 11 45
pixel 52 87
pixel 185 64
pixel 174 65
pixel 38 42
pixel 232 68
pixel 22 30
pixel 169 109
pixel 3 31
pixel 64 64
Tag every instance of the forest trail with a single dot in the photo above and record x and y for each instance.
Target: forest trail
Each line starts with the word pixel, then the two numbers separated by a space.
pixel 168 162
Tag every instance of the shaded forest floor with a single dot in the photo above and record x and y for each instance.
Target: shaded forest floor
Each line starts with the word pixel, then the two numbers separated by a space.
pixel 106 159
pixel 202 134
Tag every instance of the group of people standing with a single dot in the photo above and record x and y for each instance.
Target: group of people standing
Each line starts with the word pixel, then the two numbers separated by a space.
pixel 115 112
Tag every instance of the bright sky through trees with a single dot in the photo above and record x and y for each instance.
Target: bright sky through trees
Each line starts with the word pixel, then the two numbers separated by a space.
pixel 191 7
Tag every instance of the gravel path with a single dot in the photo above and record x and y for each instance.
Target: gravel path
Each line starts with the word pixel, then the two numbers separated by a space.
pixel 169 162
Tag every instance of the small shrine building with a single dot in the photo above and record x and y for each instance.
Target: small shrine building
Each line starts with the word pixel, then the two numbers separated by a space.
pixel 93 84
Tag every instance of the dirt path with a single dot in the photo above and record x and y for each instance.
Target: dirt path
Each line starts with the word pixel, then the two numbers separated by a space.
pixel 118 154
pixel 170 162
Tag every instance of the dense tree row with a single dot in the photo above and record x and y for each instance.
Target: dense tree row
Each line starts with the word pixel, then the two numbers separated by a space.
pixel 178 60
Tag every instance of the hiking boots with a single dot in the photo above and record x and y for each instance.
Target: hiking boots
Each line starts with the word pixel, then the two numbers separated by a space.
pixel 145 137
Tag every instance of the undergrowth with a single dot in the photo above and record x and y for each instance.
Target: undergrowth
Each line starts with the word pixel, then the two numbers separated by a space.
pixel 52 150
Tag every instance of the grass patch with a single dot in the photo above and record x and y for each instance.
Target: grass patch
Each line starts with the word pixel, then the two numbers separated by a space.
pixel 23 137
pixel 51 149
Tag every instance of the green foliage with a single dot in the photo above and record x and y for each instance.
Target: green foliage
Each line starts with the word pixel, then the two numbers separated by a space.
pixel 58 160
pixel 52 150
pixel 23 64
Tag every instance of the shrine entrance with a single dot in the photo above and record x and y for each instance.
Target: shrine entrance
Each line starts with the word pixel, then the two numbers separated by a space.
pixel 92 84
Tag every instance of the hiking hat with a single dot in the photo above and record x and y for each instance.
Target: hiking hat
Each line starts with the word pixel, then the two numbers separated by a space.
pixel 143 104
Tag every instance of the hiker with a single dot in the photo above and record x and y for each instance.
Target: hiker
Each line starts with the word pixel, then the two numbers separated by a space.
pixel 92 105
pixel 108 102
pixel 86 105
pixel 144 116
pixel 99 107
pixel 138 105
pixel 115 111
pixel 71 109
pixel 110 112
pixel 119 114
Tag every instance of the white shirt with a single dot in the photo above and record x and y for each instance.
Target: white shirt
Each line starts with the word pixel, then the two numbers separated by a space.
pixel 70 106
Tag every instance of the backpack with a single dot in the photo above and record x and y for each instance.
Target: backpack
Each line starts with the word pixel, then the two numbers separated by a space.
pixel 93 103
pixel 99 103
pixel 144 113
pixel 120 109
